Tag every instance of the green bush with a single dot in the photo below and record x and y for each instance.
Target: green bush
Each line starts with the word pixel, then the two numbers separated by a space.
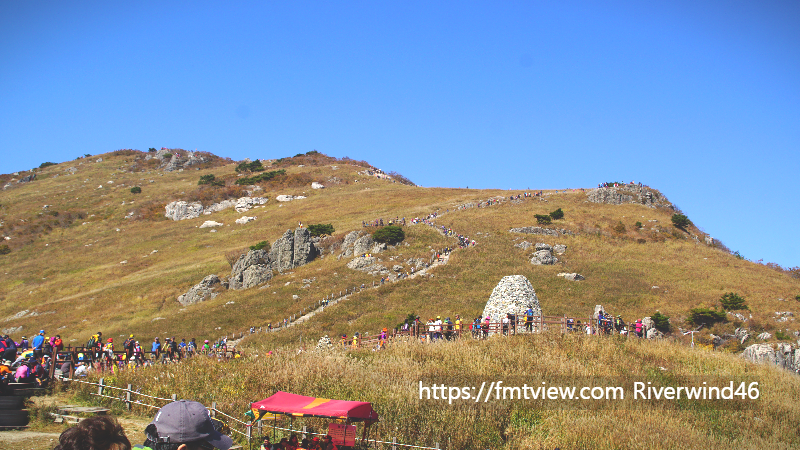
pixel 661 322
pixel 254 166
pixel 619 228
pixel 680 221
pixel 210 179
pixel 152 150
pixel 4 249
pixel 321 229
pixel 136 190
pixel 705 316
pixel 299 154
pixel 797 297
pixel 732 301
pixel 391 235
pixel 781 336
pixel 166 156
pixel 557 214
pixel 312 152
pixel 263 245
pixel 639 225
pixel 266 176
pixel 46 164
pixel 543 219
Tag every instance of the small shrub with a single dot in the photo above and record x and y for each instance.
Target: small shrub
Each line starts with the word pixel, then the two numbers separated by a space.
pixel 152 150
pixel 298 155
pixel 732 301
pixel 543 219
pixel 680 221
pixel 86 155
pixel 705 316
pixel 557 214
pixel 619 228
pixel 661 322
pixel 4 249
pixel 781 336
pixel 797 297
pixel 166 156
pixel 391 235
pixel 738 255
pixel 312 152
pixel 641 241
pixel 254 166
pixel 263 245
pixel 321 229
pixel 211 180
pixel 266 176
pixel 46 164
pixel 638 225
pixel 232 256
pixel 136 190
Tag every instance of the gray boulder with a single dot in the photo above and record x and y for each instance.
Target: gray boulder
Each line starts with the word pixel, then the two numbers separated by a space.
pixel 543 257
pixel 182 210
pixel 200 292
pixel 251 269
pixel 293 249
pixel 764 336
pixel 514 294
pixel 246 203
pixel 349 240
pixel 27 178
pixel 523 245
pixel 225 204
pixel 543 231
pixel 741 335
pixel 542 246
pixel 560 249
pixel 572 276
pixel 363 245
pixel 368 264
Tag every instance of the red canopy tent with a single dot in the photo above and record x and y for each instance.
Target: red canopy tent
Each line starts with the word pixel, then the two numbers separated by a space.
pixel 301 406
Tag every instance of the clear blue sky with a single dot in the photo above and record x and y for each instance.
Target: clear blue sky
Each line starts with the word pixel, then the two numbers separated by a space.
pixel 698 99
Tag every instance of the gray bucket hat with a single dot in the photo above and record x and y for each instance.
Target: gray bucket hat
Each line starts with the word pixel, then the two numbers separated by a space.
pixel 186 421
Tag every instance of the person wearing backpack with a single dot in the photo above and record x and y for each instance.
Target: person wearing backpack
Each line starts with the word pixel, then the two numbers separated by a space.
pixel 529 320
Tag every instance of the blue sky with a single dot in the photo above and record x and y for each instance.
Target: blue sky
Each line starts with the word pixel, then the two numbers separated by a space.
pixel 698 99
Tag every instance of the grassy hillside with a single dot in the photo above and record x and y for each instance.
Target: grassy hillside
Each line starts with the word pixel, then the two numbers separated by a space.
pixel 78 265
pixel 68 273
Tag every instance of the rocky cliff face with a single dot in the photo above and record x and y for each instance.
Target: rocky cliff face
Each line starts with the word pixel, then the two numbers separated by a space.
pixel 628 193
pixel 781 355
pixel 200 292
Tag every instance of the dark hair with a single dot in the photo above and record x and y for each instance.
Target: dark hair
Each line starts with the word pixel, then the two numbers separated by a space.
pixel 94 433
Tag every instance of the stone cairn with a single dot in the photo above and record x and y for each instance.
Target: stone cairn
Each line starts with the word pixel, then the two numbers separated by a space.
pixel 514 294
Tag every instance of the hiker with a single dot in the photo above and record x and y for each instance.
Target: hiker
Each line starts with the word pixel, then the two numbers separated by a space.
pixel 38 344
pixel 505 321
pixel 185 425
pixel 529 320
pixel 94 433
pixel 155 348
pixel 9 348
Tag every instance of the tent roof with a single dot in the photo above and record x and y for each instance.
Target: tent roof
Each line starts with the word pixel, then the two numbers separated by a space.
pixel 302 406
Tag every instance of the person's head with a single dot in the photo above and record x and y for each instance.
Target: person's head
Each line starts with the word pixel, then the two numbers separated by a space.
pixel 41 332
pixel 186 425
pixel 293 439
pixel 94 433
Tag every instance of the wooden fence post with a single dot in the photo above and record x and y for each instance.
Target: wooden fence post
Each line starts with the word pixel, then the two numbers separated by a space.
pixel 394 443
pixel 304 433
pixel 100 388
pixel 174 397
pixel 128 397
pixel 213 410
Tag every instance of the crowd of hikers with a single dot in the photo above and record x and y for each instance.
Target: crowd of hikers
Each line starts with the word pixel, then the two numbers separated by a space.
pixel 26 361
pixel 398 221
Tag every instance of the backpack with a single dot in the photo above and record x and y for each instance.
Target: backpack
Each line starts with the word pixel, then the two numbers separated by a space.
pixel 92 342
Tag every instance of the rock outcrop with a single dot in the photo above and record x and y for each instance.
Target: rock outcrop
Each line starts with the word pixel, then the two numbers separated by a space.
pixel 347 245
pixel 363 245
pixel 556 232
pixel 572 276
pixel 293 249
pixel 244 219
pixel 316 185
pixel 288 198
pixel 628 193
pixel 250 270
pixel 225 204
pixel 781 355
pixel 514 294
pixel 543 257
pixel 560 249
pixel 244 204
pixel 210 224
pixel 200 292
pixel 182 210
